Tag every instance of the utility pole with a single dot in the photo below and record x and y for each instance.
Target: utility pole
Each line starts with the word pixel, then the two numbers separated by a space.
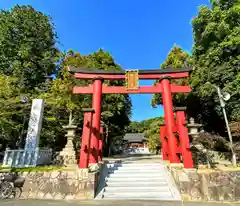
pixel 222 103
pixel 223 98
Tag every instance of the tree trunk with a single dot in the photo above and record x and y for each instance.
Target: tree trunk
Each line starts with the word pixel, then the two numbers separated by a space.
pixel 106 144
pixel 21 139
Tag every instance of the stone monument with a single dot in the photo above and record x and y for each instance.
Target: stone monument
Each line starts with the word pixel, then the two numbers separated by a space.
pixel 34 125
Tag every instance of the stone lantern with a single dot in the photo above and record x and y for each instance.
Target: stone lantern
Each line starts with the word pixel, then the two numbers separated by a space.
pixel 193 128
pixel 68 153
pixel 194 133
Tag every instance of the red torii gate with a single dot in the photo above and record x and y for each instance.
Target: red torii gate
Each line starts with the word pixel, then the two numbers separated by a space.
pixel 172 146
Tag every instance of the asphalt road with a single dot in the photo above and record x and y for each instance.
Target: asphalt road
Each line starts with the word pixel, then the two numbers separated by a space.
pixel 107 203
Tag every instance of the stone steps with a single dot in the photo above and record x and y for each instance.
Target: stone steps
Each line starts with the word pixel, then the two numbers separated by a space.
pixel 140 198
pixel 137 181
pixel 134 184
pixel 138 194
pixel 134 165
pixel 133 174
pixel 136 189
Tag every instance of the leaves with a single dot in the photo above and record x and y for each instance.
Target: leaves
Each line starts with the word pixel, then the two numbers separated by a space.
pixel 215 59
pixel 216 56
pixel 27 42
pixel 176 59
pixel 28 55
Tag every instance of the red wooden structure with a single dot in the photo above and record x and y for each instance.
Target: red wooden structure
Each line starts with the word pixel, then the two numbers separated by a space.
pixel 172 146
pixel 86 137
pixel 183 145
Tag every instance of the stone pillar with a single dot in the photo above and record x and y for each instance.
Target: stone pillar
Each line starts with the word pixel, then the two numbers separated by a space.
pixel 34 125
pixel 68 153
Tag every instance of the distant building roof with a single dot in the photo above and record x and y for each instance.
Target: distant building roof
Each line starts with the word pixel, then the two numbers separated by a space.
pixel 134 137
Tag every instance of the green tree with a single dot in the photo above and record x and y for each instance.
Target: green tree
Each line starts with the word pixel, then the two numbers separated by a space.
pixel 151 129
pixel 216 55
pixel 27 41
pixel 176 59
pixel 61 96
pixel 152 132
pixel 28 55
pixel 10 110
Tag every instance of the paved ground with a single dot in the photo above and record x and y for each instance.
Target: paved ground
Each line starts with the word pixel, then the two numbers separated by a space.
pixel 107 203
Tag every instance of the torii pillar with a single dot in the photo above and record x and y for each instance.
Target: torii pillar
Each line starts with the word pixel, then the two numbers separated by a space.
pixel 101 140
pixel 96 105
pixel 86 137
pixel 169 118
pixel 183 136
pixel 164 142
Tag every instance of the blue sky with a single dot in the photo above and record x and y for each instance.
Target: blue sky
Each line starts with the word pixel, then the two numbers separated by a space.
pixel 139 34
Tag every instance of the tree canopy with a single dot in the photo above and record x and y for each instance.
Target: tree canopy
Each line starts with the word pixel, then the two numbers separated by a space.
pixel 176 59
pixel 216 55
pixel 27 41
pixel 28 55
pixel 215 61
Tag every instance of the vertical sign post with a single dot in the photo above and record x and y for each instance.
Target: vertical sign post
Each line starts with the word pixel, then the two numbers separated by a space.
pixel 34 125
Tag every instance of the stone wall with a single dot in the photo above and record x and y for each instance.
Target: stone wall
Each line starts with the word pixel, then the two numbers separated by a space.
pixel 60 185
pixel 208 185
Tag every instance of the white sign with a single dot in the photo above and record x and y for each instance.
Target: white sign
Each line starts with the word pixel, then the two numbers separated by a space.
pixel 34 125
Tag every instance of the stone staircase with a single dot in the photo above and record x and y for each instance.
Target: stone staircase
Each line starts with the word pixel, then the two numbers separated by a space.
pixel 138 181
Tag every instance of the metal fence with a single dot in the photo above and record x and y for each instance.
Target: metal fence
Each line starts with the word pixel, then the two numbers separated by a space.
pixel 27 158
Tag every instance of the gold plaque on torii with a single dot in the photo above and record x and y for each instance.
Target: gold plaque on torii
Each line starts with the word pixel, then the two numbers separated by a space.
pixel 131 79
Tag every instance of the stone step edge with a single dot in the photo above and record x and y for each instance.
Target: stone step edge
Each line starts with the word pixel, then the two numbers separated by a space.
pixel 136 169
pixel 127 188
pixel 148 179
pixel 141 194
pixel 134 184
pixel 143 198
pixel 136 165
pixel 139 173
pixel 140 198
